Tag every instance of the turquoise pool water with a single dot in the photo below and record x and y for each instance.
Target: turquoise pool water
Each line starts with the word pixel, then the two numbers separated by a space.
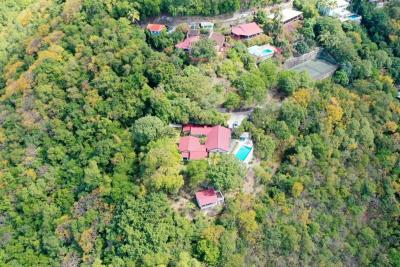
pixel 267 51
pixel 353 17
pixel 243 152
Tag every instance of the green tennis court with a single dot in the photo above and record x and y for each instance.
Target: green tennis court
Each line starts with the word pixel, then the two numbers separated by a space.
pixel 317 68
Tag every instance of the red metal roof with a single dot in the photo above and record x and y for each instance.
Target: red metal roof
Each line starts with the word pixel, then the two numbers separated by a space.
pixel 193 155
pixel 190 143
pixel 247 29
pixel 185 155
pixel 206 197
pixel 186 128
pixel 187 43
pixel 196 130
pixel 200 130
pixel 218 138
pixel 191 148
pixel 155 27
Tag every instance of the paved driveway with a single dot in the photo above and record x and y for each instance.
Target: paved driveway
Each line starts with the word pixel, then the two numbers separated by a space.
pixel 238 117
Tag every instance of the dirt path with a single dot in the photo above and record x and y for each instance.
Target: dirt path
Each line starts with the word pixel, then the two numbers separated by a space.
pixel 249 182
pixel 250 185
pixel 182 206
pixel 274 97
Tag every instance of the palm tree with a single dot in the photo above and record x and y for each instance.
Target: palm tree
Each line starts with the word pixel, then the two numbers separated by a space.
pixel 134 15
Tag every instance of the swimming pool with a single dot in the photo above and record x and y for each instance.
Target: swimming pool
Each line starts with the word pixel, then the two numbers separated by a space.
pixel 266 52
pixel 243 152
pixel 354 17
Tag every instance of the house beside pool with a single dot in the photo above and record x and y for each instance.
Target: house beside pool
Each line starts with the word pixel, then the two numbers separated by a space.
pixel 216 139
pixel 209 198
pixel 246 31
pixel 339 9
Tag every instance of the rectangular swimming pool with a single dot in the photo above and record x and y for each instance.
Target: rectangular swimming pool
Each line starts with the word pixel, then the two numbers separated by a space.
pixel 266 52
pixel 243 152
pixel 353 17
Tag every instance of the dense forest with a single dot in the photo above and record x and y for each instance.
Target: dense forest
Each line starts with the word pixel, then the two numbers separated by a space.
pixel 90 169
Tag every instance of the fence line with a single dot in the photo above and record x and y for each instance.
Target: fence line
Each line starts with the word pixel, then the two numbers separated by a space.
pixel 292 62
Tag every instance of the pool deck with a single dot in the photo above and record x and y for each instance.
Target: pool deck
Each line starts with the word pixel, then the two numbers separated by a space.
pixel 259 51
pixel 237 144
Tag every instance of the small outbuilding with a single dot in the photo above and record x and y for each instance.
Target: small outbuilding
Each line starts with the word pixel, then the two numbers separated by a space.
pixel 155 29
pixel 209 198
pixel 206 25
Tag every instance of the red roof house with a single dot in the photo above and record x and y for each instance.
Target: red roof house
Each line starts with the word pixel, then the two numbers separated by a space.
pixel 218 139
pixel 200 131
pixel 156 28
pixel 196 130
pixel 187 43
pixel 191 149
pixel 247 30
pixel 186 128
pixel 209 198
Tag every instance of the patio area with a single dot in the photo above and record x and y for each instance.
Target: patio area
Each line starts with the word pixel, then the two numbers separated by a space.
pixel 243 148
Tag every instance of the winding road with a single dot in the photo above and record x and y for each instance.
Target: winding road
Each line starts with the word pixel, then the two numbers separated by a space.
pixel 225 20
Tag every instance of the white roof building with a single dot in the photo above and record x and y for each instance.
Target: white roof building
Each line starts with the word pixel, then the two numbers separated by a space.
pixel 207 25
pixel 288 15
pixel 339 10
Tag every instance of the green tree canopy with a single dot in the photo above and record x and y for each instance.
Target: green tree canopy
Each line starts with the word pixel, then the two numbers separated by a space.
pixel 204 48
pixel 226 172
pixel 162 165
